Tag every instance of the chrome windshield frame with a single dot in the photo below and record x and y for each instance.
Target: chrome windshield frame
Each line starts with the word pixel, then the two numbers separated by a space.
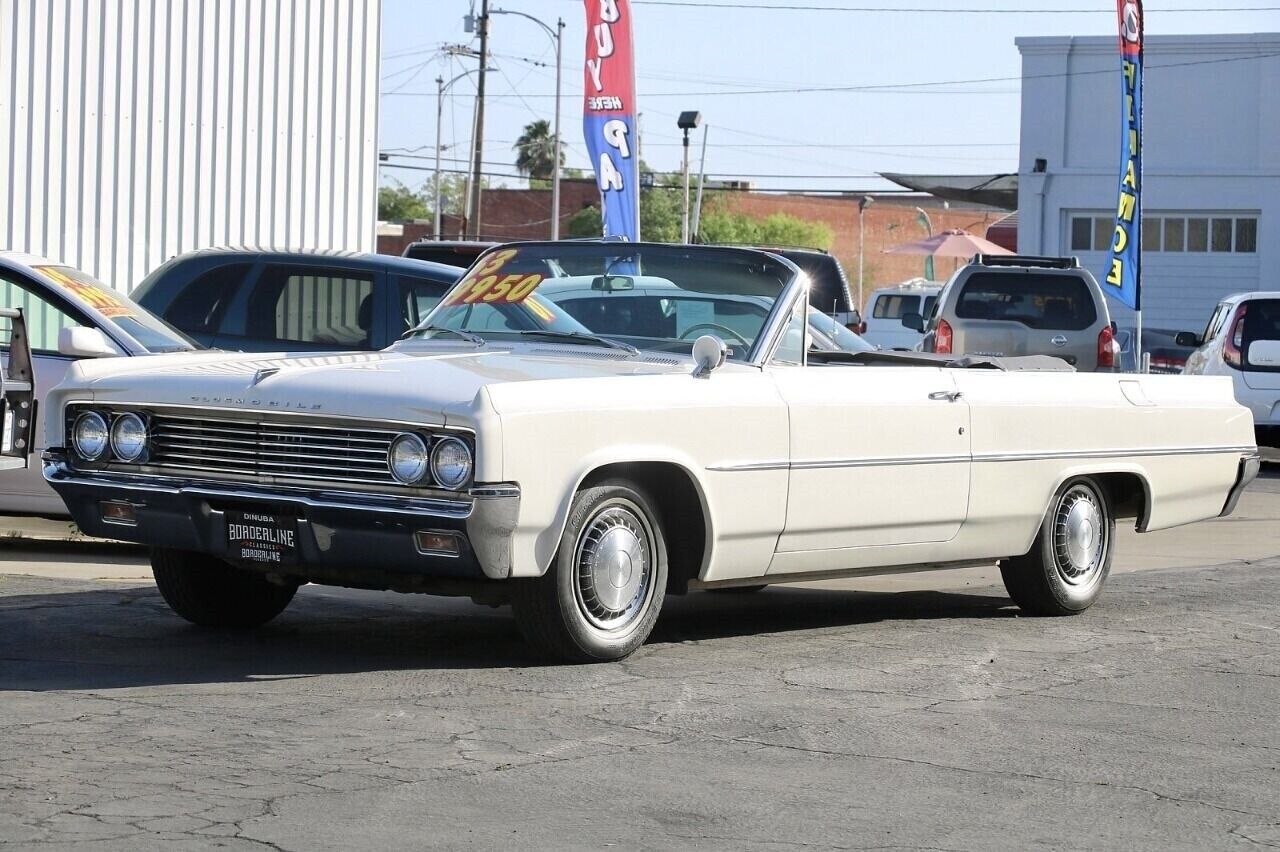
pixel 775 324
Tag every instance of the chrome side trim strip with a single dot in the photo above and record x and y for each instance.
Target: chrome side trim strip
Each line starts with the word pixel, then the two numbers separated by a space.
pixel 821 464
pixel 1112 454
pixel 746 466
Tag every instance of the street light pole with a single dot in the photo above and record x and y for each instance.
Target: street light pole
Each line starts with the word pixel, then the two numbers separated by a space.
pixel 684 222
pixel 555 174
pixel 928 229
pixel 687 121
pixel 862 231
pixel 557 37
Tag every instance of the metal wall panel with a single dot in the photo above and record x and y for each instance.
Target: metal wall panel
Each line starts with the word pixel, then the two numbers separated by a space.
pixel 135 130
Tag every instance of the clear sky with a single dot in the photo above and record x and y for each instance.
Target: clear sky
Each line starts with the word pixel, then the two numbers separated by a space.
pixel 711 59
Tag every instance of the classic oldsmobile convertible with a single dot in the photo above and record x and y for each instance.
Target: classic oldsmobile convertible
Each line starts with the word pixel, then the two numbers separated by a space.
pixel 508 450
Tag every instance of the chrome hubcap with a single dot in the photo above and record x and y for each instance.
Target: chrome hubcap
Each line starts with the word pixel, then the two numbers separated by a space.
pixel 1079 537
pixel 614 560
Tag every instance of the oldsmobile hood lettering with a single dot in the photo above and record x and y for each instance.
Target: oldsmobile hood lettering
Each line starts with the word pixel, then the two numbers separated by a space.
pixel 410 381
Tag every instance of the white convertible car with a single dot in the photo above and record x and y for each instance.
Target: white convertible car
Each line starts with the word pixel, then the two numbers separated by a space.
pixel 510 451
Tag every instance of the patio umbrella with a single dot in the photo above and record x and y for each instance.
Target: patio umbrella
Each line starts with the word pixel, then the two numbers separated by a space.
pixel 949 244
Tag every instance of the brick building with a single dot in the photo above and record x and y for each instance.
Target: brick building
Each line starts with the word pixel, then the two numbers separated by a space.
pixel 514 214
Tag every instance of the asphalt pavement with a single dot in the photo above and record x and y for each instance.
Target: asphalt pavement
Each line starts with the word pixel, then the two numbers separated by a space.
pixel 918 712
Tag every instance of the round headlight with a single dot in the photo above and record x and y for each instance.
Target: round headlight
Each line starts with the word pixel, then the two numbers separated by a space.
pixel 89 435
pixel 408 458
pixel 128 437
pixel 451 462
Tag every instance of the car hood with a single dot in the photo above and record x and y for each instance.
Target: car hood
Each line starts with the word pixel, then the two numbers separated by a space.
pixel 431 385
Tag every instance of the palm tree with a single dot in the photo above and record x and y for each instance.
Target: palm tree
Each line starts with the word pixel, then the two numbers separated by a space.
pixel 536 151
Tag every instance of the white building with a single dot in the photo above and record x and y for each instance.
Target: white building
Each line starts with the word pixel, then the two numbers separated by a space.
pixel 1211 164
pixel 131 132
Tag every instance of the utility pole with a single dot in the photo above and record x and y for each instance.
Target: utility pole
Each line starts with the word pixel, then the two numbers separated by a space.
pixel 477 143
pixel 439 121
pixel 702 177
pixel 555 175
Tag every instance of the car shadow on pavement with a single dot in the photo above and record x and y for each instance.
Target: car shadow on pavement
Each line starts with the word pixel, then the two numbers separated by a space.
pixel 126 637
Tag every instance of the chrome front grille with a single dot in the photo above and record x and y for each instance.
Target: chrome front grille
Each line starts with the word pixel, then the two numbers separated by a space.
pixel 270 449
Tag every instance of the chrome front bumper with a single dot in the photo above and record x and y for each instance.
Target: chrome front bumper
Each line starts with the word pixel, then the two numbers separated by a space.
pixel 1246 473
pixel 339 529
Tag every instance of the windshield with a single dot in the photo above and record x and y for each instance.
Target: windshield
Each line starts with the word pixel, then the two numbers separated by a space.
pixel 647 296
pixel 151 332
pixel 839 336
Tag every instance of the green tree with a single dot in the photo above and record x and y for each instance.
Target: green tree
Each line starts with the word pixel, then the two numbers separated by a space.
pixel 536 151
pixel 397 202
pixel 660 213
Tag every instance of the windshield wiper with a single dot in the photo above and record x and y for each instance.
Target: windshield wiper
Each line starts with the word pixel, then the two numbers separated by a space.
pixel 465 335
pixel 583 337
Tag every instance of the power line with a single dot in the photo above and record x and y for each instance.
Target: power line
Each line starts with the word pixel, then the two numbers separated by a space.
pixel 933 10
pixel 710 175
pixel 903 88
pixel 807 190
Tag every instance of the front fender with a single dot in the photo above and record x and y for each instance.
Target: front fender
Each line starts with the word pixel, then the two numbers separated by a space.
pixel 546 539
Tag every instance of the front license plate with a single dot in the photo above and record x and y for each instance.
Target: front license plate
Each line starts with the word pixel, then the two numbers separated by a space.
pixel 258 537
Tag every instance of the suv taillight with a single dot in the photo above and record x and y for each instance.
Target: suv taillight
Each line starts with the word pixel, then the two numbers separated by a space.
pixel 1107 348
pixel 1235 339
pixel 943 338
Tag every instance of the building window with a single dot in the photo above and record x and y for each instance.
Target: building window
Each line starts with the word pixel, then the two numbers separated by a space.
pixel 1081 234
pixel 1197 234
pixel 1160 233
pixel 1247 235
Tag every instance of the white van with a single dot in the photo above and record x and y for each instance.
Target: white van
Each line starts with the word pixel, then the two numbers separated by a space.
pixel 889 305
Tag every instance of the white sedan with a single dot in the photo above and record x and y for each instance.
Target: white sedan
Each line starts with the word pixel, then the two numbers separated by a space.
pixel 514 453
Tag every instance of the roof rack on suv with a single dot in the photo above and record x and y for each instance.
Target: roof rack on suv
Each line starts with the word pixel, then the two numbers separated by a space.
pixel 1027 260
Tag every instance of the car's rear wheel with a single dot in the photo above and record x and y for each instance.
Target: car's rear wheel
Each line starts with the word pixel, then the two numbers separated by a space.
pixel 602 594
pixel 209 592
pixel 1065 569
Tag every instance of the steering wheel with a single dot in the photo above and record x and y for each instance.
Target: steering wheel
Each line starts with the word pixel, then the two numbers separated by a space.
pixel 715 326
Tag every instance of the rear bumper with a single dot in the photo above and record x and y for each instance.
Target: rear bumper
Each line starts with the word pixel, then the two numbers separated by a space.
pixel 1247 472
pixel 343 532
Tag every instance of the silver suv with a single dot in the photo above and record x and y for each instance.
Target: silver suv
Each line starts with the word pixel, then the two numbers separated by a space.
pixel 1014 305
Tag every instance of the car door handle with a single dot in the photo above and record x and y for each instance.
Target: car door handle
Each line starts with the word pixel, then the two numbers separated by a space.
pixel 945 396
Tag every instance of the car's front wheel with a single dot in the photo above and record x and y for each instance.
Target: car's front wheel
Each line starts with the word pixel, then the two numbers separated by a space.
pixel 207 591
pixel 1065 569
pixel 602 594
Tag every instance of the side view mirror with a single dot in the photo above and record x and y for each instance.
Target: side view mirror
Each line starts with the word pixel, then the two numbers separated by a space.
pixel 709 354
pixel 1188 338
pixel 80 341
pixel 915 322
